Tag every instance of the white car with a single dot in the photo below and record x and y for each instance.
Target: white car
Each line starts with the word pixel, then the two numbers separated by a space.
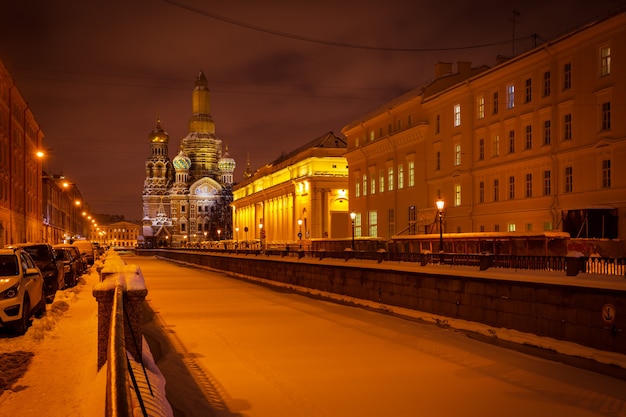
pixel 21 290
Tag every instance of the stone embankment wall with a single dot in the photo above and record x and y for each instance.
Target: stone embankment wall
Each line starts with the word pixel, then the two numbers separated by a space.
pixel 590 316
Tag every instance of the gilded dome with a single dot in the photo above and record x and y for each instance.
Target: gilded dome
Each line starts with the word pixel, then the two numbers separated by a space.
pixel 181 162
pixel 158 135
pixel 226 163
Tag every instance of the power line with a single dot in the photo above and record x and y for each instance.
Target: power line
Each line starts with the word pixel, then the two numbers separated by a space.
pixel 325 42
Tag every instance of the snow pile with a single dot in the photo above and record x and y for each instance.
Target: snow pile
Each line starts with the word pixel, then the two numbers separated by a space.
pixel 114 271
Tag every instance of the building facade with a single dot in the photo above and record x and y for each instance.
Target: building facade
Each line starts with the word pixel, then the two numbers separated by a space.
pixel 118 235
pixel 186 199
pixel 64 210
pixel 300 196
pixel 20 167
pixel 533 144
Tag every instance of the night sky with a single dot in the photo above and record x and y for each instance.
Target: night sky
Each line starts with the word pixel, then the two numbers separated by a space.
pixel 97 74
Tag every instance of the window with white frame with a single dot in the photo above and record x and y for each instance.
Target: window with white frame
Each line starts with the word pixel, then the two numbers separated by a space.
pixel 390 175
pixel 457 115
pixel 358 225
pixel 411 173
pixel 510 96
pixel 373 223
pixel 457 195
pixel 381 185
pixel 528 90
pixel 373 184
pixel 457 154
pixel 511 227
pixel 605 61
pixel 546 83
pixel 357 188
pixel 480 107
pixel 547 182
pixel 400 176
pixel 529 136
pixel 364 184
pixel 529 185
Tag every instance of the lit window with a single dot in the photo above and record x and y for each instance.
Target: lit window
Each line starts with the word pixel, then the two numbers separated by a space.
pixel 364 184
pixel 457 115
pixel 411 173
pixel 373 184
pixel 357 189
pixel 457 154
pixel 390 175
pixel 381 185
pixel 510 96
pixel 496 145
pixel 511 227
pixel 605 61
pixel 357 225
pixel 457 195
pixel 400 176
pixel 480 105
pixel 373 223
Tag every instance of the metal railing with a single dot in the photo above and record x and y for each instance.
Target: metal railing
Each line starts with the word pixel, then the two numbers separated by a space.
pixel 118 394
pixel 589 265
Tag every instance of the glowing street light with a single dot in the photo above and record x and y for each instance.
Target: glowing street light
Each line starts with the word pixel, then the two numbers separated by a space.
pixel 440 204
pixel 352 217
pixel 300 232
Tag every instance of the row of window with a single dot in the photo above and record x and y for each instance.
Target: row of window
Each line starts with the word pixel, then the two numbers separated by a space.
pixel 386 183
pixel 372 227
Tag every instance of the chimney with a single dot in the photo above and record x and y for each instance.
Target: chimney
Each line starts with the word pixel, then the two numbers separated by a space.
pixel 443 68
pixel 463 67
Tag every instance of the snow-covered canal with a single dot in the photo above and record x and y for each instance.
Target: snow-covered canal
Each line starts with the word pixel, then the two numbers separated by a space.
pixel 270 353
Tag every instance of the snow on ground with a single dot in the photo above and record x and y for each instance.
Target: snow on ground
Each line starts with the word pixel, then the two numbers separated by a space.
pixel 51 371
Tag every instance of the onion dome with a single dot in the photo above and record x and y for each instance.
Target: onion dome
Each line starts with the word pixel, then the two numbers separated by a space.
pixel 158 135
pixel 226 164
pixel 181 162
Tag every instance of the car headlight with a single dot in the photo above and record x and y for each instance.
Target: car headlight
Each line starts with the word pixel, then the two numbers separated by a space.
pixel 11 292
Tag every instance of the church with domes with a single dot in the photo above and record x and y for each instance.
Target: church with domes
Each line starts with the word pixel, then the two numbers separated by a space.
pixel 186 200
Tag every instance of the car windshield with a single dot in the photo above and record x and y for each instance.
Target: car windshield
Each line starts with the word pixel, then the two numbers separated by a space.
pixel 8 265
pixel 60 253
pixel 37 252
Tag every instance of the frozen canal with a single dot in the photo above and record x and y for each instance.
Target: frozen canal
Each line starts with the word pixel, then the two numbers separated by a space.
pixel 259 352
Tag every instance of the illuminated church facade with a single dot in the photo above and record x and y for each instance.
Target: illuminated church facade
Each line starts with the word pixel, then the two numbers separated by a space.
pixel 186 199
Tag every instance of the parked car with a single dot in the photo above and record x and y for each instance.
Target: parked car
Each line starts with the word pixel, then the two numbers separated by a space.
pixel 21 290
pixel 81 262
pixel 51 267
pixel 86 248
pixel 70 265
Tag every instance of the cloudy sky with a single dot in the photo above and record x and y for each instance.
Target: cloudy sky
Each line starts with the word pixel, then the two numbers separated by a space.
pixel 97 74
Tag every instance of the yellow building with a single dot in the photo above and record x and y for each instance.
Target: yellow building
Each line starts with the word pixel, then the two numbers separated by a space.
pixel 534 144
pixel 116 235
pixel 302 192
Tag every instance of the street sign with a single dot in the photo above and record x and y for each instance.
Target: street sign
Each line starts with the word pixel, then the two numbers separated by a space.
pixel 608 313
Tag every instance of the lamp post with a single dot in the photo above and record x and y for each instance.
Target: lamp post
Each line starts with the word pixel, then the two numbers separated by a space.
pixel 300 232
pixel 440 204
pixel 352 217
pixel 261 236
pixel 237 235
pixel 219 233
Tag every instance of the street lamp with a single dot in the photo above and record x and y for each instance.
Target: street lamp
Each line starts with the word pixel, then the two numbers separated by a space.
pixel 219 232
pixel 352 217
pixel 237 235
pixel 440 204
pixel 300 232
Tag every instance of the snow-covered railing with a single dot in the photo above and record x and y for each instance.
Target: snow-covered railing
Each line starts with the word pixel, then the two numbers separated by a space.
pixel 118 393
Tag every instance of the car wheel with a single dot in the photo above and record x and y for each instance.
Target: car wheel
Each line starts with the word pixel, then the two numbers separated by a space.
pixel 22 325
